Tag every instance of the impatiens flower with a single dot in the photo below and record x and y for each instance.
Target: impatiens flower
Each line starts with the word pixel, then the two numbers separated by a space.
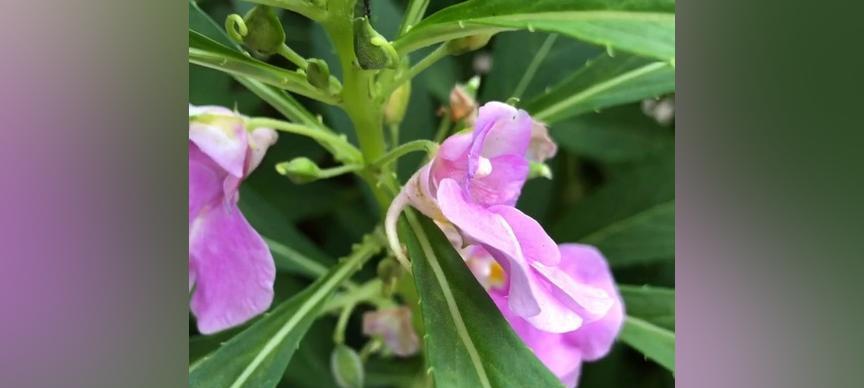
pixel 394 327
pixel 562 353
pixel 231 269
pixel 470 187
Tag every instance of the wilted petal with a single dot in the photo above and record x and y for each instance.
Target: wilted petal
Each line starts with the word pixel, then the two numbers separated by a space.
pixel 259 141
pixel 393 325
pixel 586 265
pixel 232 269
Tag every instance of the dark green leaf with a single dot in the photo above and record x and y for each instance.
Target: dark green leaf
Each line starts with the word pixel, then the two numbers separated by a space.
pixel 618 135
pixel 468 343
pixel 257 357
pixel 645 27
pixel 653 304
pixel 604 82
pixel 631 220
pixel 655 343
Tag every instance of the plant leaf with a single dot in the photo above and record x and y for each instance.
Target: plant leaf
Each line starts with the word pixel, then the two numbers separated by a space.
pixel 258 356
pixel 644 27
pixel 652 304
pixel 468 343
pixel 604 82
pixel 631 220
pixel 654 342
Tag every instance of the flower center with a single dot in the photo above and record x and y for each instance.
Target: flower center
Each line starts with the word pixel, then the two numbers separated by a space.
pixel 484 168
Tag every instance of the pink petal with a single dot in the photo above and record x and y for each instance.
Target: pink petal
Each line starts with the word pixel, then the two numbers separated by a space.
pixel 541 147
pixel 586 265
pixel 220 136
pixel 205 181
pixel 393 325
pixel 504 184
pixel 232 268
pixel 535 243
pixel 259 141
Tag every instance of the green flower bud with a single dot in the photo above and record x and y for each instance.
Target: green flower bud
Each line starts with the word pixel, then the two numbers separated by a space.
pixel 372 50
pixel 347 367
pixel 397 104
pixel 300 170
pixel 318 73
pixel 265 34
pixel 469 43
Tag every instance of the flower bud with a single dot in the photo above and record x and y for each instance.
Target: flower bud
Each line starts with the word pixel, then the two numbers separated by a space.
pixel 462 105
pixel 467 44
pixel 265 34
pixel 372 50
pixel 300 170
pixel 393 326
pixel 389 272
pixel 318 73
pixel 346 366
pixel 397 104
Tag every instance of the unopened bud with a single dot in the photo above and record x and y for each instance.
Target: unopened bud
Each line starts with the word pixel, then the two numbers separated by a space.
pixel 318 73
pixel 265 34
pixel 462 104
pixel 300 170
pixel 347 367
pixel 389 272
pixel 467 44
pixel 397 104
pixel 393 326
pixel 372 50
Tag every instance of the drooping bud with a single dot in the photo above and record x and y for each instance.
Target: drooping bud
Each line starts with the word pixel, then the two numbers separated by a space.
pixel 265 34
pixel 389 272
pixel 467 44
pixel 397 104
pixel 318 73
pixel 393 326
pixel 300 170
pixel 347 367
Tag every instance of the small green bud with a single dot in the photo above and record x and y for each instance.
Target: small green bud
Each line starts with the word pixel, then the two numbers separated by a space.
pixel 318 73
pixel 265 34
pixel 389 272
pixel 300 170
pixel 372 50
pixel 397 104
pixel 469 43
pixel 347 368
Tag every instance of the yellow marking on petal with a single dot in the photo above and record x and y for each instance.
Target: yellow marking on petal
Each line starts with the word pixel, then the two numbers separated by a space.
pixel 497 276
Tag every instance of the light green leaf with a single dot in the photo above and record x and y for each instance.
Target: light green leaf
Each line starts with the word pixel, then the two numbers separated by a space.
pixel 604 82
pixel 618 135
pixel 468 343
pixel 652 304
pixel 644 27
pixel 257 357
pixel 655 343
pixel 631 220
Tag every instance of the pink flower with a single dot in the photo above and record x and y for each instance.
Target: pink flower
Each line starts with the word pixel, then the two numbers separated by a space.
pixel 393 325
pixel 562 353
pixel 231 270
pixel 469 189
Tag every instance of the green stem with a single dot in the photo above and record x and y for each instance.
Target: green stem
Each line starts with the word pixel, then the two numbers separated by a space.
pixel 342 150
pixel 411 146
pixel 283 102
pixel 339 332
pixel 367 292
pixel 436 55
pixel 443 127
pixel 291 55
pixel 413 14
pixel 534 65
pixel 303 7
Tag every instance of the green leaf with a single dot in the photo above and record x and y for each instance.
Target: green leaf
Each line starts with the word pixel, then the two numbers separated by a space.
pixel 257 357
pixel 645 27
pixel 468 343
pixel 631 220
pixel 655 343
pixel 604 82
pixel 619 135
pixel 652 304
pixel 201 23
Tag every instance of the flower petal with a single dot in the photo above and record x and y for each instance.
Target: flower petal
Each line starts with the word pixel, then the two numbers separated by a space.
pixel 221 136
pixel 259 141
pixel 535 243
pixel 501 130
pixel 393 325
pixel 233 269
pixel 586 265
pixel 205 181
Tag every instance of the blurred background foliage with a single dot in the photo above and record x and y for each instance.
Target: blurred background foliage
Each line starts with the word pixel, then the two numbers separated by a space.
pixel 614 167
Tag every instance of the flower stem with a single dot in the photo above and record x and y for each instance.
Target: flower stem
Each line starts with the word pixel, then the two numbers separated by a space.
pixel 291 55
pixel 436 55
pixel 341 149
pixel 412 146
pixel 309 9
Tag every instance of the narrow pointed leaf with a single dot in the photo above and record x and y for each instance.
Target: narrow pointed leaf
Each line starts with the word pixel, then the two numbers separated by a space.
pixel 258 356
pixel 604 82
pixel 468 343
pixel 644 27
pixel 655 305
pixel 656 343
pixel 631 220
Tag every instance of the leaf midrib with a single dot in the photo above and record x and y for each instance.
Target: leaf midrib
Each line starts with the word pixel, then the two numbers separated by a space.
pixel 461 329
pixel 598 88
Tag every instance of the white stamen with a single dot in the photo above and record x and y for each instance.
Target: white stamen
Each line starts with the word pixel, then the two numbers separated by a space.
pixel 484 168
